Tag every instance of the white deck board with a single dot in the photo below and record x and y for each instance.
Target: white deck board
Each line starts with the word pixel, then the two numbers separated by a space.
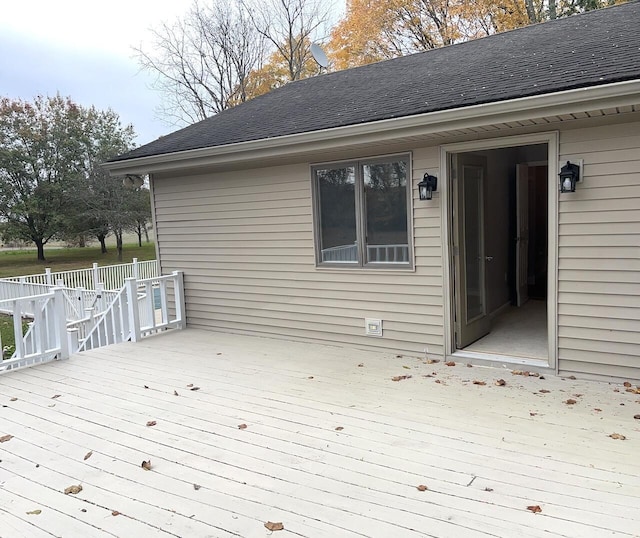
pixel 290 464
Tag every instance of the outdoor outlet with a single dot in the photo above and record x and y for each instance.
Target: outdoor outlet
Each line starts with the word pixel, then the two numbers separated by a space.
pixel 373 327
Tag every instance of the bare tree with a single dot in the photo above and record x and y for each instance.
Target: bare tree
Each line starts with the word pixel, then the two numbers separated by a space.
pixel 290 26
pixel 203 59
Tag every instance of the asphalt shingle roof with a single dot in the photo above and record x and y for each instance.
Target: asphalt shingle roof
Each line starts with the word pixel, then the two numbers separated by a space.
pixel 595 48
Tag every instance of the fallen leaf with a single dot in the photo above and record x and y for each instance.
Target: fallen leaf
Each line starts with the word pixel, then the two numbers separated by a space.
pixel 400 377
pixel 438 381
pixel 422 487
pixel 544 391
pixel 34 512
pixel 83 509
pixel 627 384
pixel 175 393
pixel 115 513
pixel 532 414
pixel 6 438
pixel 633 390
pixel 242 426
pixel 570 401
pixel 406 367
pixel 51 405
pixel 190 385
pixel 433 361
pixel 577 395
pixel 599 410
pixel 88 455
pixel 339 428
pixel 151 423
pixel 361 365
pixel 450 363
pixel 534 508
pixel 399 356
pixel 146 465
pixel 56 396
pixel 274 526
pixel 478 382
pixel 469 365
pixel 218 353
pixel 501 382
pixel 310 377
pixel 572 377
pixel 146 386
pixel 541 377
pixel 618 436
pixel 73 490
pixel 14 399
pixel 194 388
pixel 488 489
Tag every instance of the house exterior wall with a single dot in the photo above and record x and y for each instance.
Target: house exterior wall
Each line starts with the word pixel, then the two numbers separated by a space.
pixel 599 254
pixel 245 241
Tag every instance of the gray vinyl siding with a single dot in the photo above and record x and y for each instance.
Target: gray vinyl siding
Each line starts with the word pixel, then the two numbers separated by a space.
pixel 599 254
pixel 245 242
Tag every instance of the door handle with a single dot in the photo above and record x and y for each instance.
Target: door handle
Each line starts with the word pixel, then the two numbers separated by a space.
pixel 489 258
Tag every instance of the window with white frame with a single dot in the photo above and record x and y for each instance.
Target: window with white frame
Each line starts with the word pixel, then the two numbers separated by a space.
pixel 362 212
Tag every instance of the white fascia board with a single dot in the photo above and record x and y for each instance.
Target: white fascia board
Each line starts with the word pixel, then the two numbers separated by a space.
pixel 565 102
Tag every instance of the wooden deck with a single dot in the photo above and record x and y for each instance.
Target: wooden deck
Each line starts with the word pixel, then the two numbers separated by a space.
pixel 332 446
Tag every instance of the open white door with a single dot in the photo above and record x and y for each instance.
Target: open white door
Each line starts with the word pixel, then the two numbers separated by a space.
pixel 522 233
pixel 472 321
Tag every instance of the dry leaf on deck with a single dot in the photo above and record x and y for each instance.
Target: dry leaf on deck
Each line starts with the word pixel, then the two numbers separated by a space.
pixel 627 384
pixel 406 367
pixel 422 487
pixel 146 465
pixel 190 385
pixel 637 417
pixel 570 401
pixel 146 386
pixel 544 391
pixel 572 377
pixel 534 508
pixel 194 388
pixel 6 438
pixel 56 396
pixel 469 365
pixel 151 423
pixel 597 409
pixel 618 436
pixel 88 455
pixel 501 382
pixel 633 390
pixel 14 399
pixel 433 361
pixel 34 512
pixel 242 426
pixel 339 428
pixel 361 365
pixel 450 363
pixel 532 414
pixel 478 382
pixel 310 377
pixel 175 393
pixel 274 526
pixel 488 489
pixel 400 377
pixel 73 490
pixel 115 513
pixel 438 381
pixel 197 486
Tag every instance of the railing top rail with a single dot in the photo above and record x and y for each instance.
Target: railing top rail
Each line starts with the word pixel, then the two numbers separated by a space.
pixel 28 298
pixel 154 278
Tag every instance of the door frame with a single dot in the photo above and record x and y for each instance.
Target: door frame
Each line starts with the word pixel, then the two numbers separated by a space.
pixel 446 199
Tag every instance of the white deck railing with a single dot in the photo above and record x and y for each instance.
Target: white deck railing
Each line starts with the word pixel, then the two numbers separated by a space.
pixel 375 254
pixel 141 308
pixel 111 277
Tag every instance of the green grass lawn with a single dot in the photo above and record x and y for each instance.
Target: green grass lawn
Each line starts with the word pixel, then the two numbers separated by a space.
pixel 24 262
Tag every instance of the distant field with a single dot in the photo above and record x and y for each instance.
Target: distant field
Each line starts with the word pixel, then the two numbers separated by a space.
pixel 24 262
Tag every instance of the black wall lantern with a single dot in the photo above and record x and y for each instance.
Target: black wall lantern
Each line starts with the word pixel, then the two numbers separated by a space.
pixel 569 175
pixel 427 186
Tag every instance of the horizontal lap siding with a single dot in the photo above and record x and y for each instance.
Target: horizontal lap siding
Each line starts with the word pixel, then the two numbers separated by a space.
pixel 245 242
pixel 599 254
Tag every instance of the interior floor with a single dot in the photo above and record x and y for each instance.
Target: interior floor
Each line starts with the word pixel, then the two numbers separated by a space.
pixel 517 332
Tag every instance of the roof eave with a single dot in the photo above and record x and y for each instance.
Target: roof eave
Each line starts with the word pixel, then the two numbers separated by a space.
pixel 564 102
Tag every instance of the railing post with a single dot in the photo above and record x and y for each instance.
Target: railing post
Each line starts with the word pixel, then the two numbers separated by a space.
pixel 60 320
pixel 17 329
pixel 136 272
pixel 47 276
pixel 80 299
pixel 180 304
pixel 96 277
pixel 131 285
pixel 74 341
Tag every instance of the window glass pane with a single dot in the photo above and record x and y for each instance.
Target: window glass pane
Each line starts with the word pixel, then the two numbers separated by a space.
pixel 336 190
pixel 385 210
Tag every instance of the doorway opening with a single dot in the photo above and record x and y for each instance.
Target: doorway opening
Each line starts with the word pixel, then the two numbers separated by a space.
pixel 499 251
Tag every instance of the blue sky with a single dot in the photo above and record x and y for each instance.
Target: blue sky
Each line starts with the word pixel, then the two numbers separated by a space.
pixel 83 49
